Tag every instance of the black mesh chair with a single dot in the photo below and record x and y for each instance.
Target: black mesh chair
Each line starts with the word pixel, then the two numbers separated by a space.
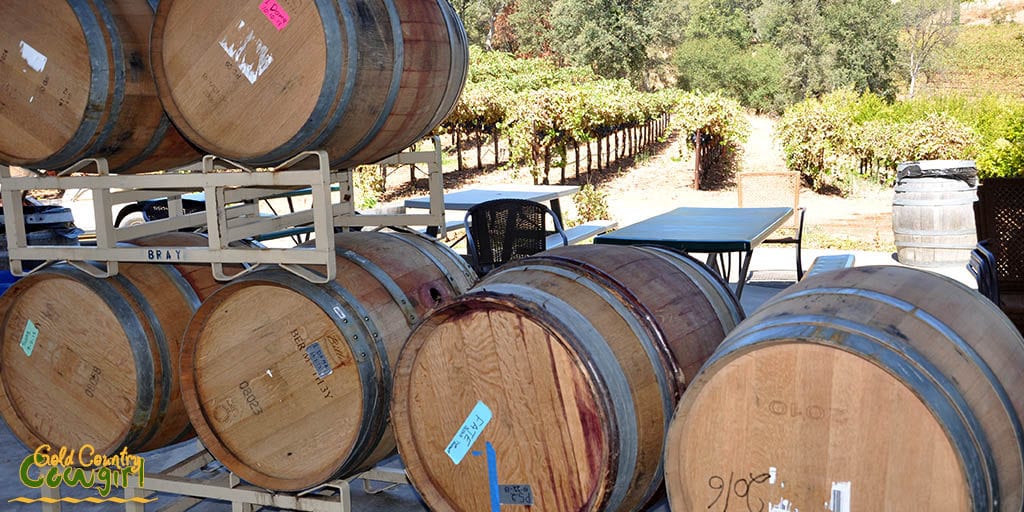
pixel 982 266
pixel 504 230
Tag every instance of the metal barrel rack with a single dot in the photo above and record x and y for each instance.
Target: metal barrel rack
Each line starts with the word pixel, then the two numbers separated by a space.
pixel 233 193
pixel 193 480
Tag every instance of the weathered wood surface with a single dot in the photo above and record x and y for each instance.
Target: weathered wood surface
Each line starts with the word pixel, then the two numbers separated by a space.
pixel 933 221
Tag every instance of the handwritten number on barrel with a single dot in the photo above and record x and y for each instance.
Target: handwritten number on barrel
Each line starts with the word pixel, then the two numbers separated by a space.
pixel 740 488
pixel 716 483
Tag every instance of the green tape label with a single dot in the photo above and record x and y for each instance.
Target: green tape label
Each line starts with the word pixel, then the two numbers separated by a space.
pixel 28 338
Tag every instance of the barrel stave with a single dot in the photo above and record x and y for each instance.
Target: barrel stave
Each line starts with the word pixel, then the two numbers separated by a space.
pixel 933 221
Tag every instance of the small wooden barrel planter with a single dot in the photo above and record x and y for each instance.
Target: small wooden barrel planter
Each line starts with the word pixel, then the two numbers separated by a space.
pixel 871 388
pixel 75 83
pixel 88 360
pixel 552 382
pixel 258 81
pixel 288 383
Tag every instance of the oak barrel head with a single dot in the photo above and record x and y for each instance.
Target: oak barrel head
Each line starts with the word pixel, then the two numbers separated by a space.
pixel 256 384
pixel 883 388
pixel 35 61
pixel 550 428
pixel 88 360
pixel 260 81
pixel 240 81
pixel 67 382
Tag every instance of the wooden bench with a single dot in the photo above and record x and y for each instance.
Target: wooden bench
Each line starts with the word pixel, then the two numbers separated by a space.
pixel 829 263
pixel 585 231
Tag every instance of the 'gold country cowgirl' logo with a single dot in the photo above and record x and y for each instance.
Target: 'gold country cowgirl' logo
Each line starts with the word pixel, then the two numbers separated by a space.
pixel 82 467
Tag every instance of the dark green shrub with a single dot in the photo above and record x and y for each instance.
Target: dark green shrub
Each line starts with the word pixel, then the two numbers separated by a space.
pixel 752 75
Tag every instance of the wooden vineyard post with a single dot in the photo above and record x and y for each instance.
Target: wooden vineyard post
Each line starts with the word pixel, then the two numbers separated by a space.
pixel 696 159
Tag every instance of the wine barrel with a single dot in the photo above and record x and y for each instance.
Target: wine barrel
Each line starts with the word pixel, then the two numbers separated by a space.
pixel 933 217
pixel 360 79
pixel 288 383
pixel 871 388
pixel 75 83
pixel 87 360
pixel 560 371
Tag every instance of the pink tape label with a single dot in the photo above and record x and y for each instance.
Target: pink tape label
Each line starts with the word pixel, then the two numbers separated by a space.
pixel 275 13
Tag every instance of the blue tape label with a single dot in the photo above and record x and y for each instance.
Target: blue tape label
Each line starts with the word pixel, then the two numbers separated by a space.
pixel 469 433
pixel 28 338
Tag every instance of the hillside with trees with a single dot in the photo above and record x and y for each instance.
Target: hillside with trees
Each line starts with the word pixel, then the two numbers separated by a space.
pixel 860 85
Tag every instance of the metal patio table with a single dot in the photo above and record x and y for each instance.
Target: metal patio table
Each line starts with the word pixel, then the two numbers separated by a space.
pixel 713 231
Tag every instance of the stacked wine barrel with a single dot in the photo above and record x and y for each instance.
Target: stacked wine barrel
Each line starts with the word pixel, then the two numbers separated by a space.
pixel 258 81
pixel 87 360
pixel 75 83
pixel 872 388
pixel 255 81
pixel 288 383
pixel 555 379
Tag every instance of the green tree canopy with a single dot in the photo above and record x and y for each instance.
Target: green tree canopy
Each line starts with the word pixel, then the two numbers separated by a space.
pixel 720 19
pixel 611 36
pixel 828 44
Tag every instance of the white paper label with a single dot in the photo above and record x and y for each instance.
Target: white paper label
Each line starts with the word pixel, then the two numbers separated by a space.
pixel 249 53
pixel 840 497
pixel 35 60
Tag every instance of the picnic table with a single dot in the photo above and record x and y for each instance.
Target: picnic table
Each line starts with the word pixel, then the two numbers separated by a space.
pixel 713 231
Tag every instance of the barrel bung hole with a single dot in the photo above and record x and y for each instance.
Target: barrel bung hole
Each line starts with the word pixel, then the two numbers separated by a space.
pixel 435 295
